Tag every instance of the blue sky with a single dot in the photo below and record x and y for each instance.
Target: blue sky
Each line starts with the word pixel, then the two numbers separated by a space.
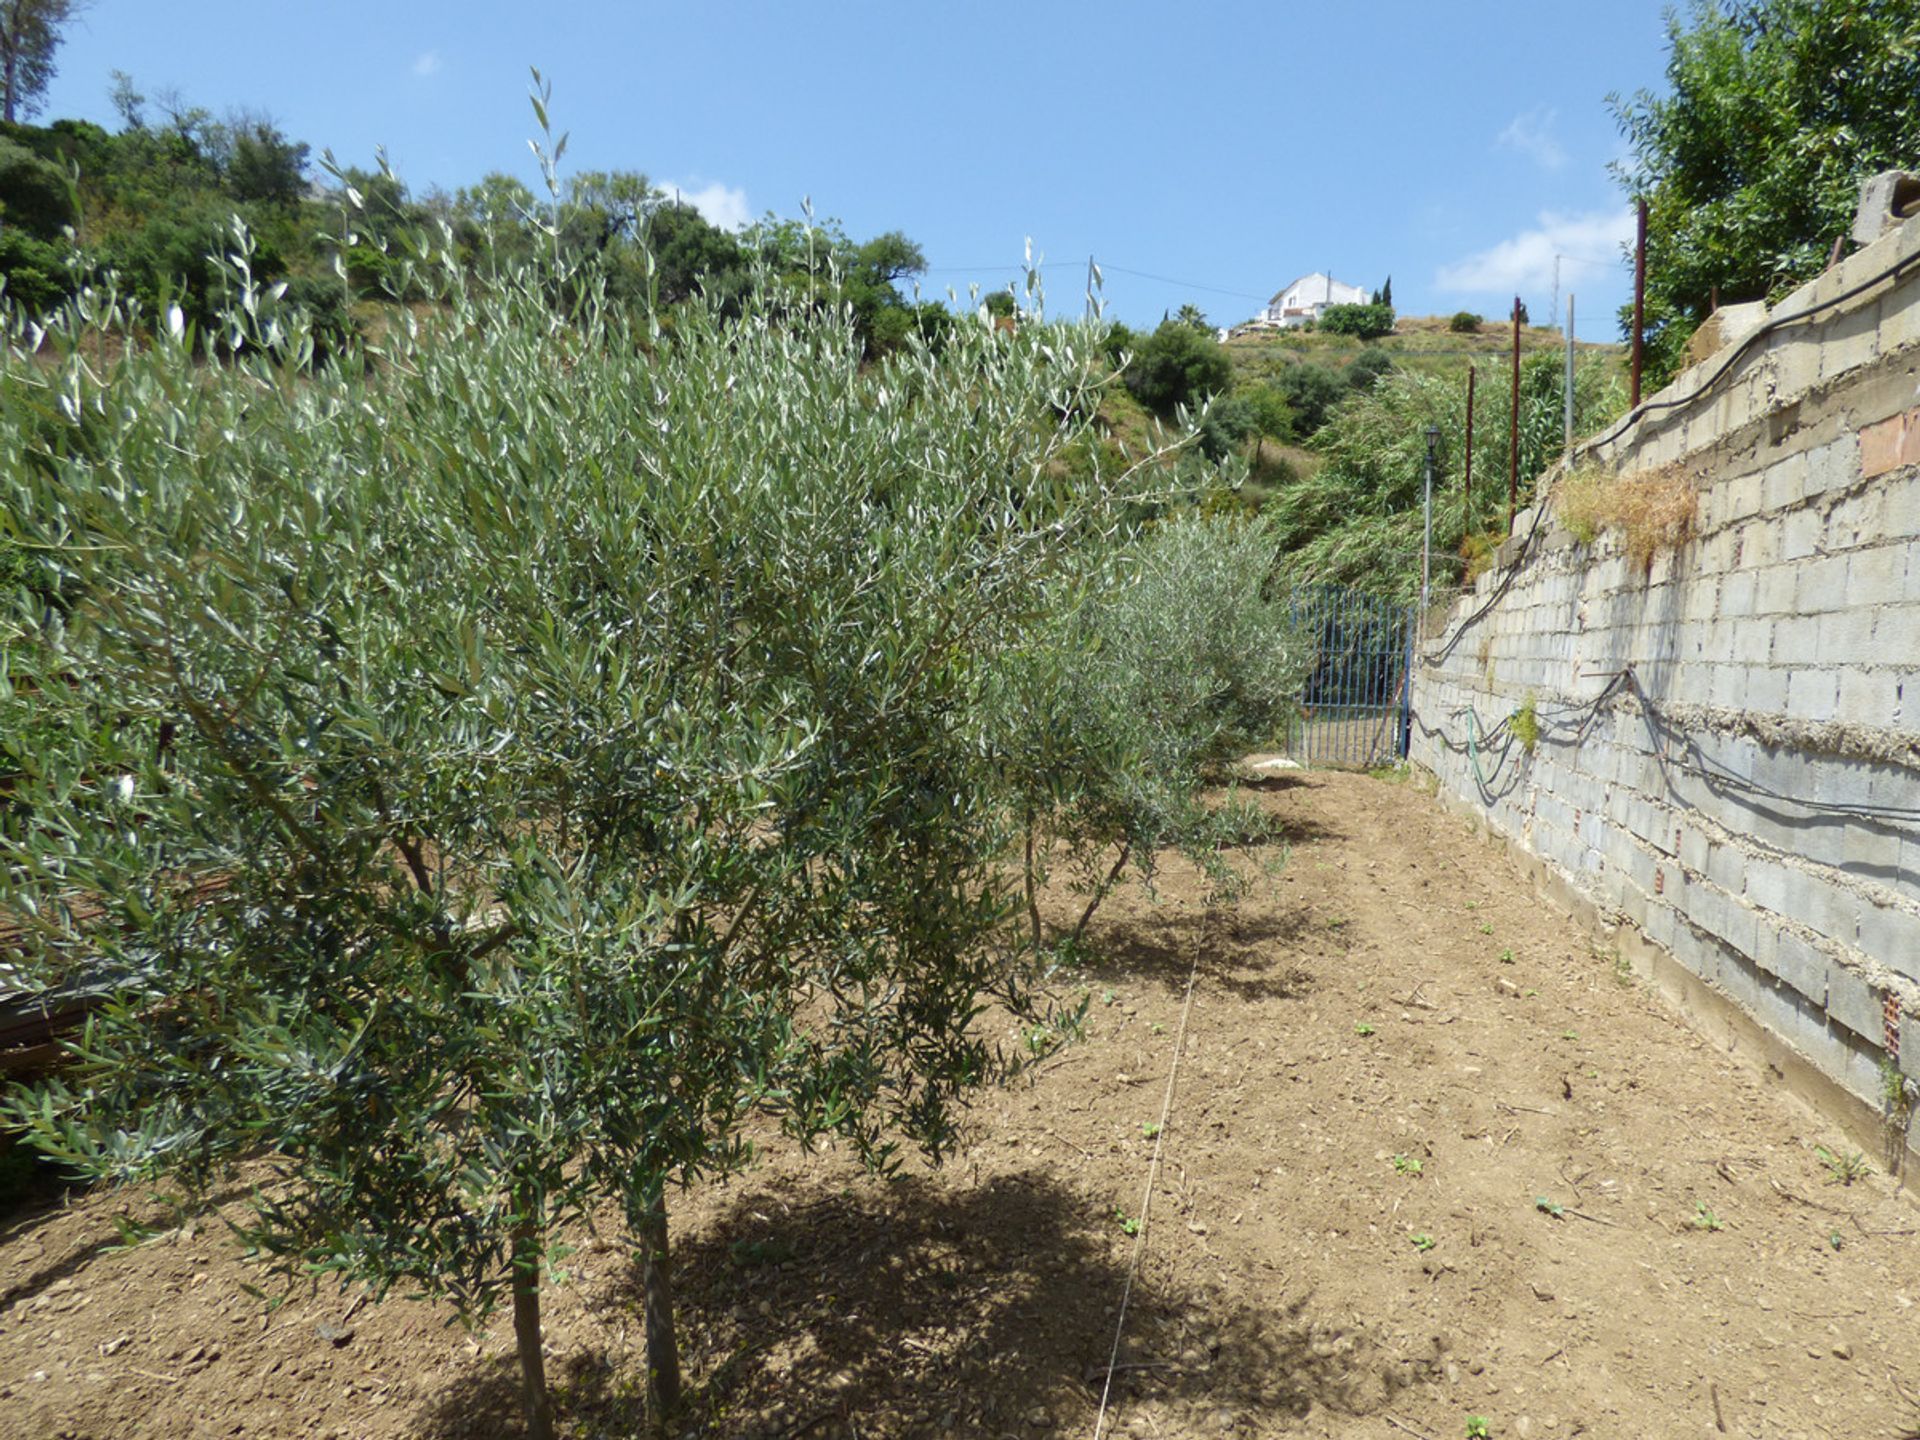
pixel 1222 147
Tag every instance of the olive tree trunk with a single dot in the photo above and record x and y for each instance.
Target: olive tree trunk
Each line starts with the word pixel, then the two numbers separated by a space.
pixel 663 1347
pixel 534 1400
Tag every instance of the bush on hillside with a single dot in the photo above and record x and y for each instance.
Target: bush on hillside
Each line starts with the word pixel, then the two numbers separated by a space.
pixel 1367 367
pixel 1464 322
pixel 1310 391
pixel 1368 322
pixel 1178 366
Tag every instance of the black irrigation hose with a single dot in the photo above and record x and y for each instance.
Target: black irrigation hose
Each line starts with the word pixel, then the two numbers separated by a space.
pixel 1777 322
pixel 1434 657
pixel 1685 753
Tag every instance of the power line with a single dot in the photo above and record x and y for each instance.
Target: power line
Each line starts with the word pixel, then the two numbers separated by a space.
pixel 1105 268
pixel 1187 284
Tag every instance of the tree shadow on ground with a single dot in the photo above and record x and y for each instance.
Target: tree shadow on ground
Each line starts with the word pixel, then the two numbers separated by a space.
pixel 486 1403
pixel 1242 952
pixel 913 1309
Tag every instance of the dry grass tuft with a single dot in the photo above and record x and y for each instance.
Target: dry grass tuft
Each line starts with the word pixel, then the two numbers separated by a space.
pixel 1654 511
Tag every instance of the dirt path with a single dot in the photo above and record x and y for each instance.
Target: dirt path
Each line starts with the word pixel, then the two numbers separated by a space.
pixel 1430 1156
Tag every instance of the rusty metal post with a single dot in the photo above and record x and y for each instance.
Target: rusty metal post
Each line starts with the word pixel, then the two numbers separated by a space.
pixel 1513 424
pixel 1639 297
pixel 1466 470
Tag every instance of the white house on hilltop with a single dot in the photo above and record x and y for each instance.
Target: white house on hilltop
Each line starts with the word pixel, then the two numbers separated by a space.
pixel 1308 297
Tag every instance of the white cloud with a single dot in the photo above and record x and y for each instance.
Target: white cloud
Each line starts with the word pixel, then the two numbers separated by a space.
pixel 1532 135
pixel 723 205
pixel 427 63
pixel 1525 262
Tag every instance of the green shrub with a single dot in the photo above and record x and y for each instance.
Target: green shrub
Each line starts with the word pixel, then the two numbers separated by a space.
pixel 1310 391
pixel 1368 322
pixel 1163 663
pixel 1464 322
pixel 1178 366
pixel 1367 367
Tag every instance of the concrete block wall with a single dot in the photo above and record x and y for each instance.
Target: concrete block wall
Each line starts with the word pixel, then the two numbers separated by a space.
pixel 1728 748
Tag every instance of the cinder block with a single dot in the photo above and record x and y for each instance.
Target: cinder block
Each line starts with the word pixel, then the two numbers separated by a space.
pixel 1853 1003
pixel 1802 533
pixel 1891 936
pixel 1846 638
pixel 1851 341
pixel 1794 641
pixel 1784 484
pixel 1813 694
pixel 1880 575
pixel 1859 519
pixel 1727 868
pixel 1869 697
pixel 1766 689
pixel 1802 966
pixel 1897 636
pixel 1775 589
pixel 1910 1044
pixel 1819 903
pixel 1729 687
pixel 1790 1015
pixel 1742 496
pixel 1834 466
pixel 1823 584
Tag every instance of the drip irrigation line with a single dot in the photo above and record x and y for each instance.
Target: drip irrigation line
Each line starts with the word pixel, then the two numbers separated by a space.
pixel 1738 353
pixel 1673 747
pixel 1153 1175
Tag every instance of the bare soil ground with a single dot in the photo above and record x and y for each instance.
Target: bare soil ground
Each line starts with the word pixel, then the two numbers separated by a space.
pixel 1552 1265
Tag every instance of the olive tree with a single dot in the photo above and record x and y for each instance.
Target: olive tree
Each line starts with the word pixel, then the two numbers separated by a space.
pixel 479 772
pixel 1163 661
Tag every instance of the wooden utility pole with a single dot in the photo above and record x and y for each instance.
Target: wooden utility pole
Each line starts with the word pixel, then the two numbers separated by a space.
pixel 1513 424
pixel 1639 296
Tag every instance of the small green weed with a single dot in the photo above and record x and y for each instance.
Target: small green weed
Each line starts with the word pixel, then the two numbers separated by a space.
pixel 1622 970
pixel 752 1254
pixel 1408 1165
pixel 1506 956
pixel 1833 1239
pixel 1569 1034
pixel 1705 1219
pixel 1157 1028
pixel 1149 1128
pixel 1107 998
pixel 1843 1167
pixel 1896 1096
pixel 1128 1225
pixel 1547 1205
pixel 1362 1028
pixel 1335 922
pixel 1422 1241
pixel 1477 1428
pixel 1525 724
pixel 1486 928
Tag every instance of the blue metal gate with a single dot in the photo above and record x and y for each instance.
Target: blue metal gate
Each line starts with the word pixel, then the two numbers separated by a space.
pixel 1354 702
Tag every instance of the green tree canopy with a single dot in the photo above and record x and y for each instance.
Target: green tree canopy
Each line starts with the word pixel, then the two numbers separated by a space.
pixel 1751 162
pixel 29 34
pixel 1178 365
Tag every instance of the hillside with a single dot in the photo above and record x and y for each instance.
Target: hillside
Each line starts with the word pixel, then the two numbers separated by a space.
pixel 1419 342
